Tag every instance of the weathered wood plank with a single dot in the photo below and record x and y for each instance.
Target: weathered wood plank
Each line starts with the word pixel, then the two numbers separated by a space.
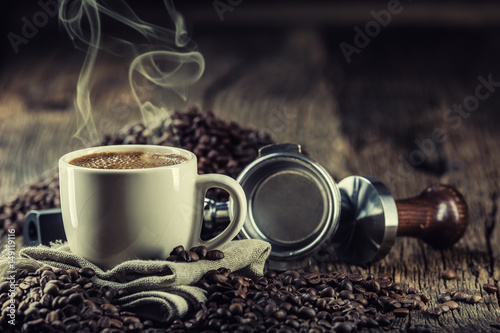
pixel 405 104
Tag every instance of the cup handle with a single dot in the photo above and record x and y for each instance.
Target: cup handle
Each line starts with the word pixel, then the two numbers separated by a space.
pixel 239 207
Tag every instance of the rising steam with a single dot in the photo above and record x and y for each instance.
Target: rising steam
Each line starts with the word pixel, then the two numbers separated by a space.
pixel 166 58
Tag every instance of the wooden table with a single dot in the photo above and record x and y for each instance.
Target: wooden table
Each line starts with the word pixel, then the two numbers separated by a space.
pixel 374 115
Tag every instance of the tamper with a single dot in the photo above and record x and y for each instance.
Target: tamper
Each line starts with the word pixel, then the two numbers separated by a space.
pixel 371 219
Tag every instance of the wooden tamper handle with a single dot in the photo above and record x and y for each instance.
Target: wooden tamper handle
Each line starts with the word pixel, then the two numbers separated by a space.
pixel 439 216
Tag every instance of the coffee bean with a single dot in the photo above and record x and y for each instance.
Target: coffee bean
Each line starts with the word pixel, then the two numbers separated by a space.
pixel 382 320
pixel 451 304
pixel 449 274
pixel 425 298
pixel 65 278
pixel 385 277
pixel 51 289
pixel 346 294
pixel 361 300
pixel 409 304
pixel 236 308
pixel 385 285
pixel 292 273
pixel 368 322
pixel 173 258
pixel 444 307
pixel 103 322
pixel 31 313
pixel 135 327
pixel 307 312
pixel 4 287
pixel 389 303
pixel 193 256
pixel 46 300
pixel 109 308
pixel 401 312
pixel 52 316
pixel 201 251
pixel 328 292
pixel 32 325
pixel 184 256
pixel 87 272
pixel 490 288
pixel 437 311
pixel 420 305
pixel 443 298
pixel 214 255
pixel 346 285
pixel 69 310
pixel 177 250
pixel 280 314
pixel 412 290
pixel 460 296
pixel 82 280
pixel 475 298
pixel 75 299
pixel 88 285
pixel 397 287
pixel 115 323
pixel 73 273
pixel 373 285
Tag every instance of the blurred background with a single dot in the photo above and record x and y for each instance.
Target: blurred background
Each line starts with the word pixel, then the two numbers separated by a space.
pixel 283 67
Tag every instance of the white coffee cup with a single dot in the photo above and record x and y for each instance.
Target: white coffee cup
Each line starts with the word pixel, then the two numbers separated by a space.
pixel 112 215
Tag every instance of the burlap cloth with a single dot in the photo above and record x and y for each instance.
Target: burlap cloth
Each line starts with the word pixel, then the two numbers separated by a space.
pixel 162 290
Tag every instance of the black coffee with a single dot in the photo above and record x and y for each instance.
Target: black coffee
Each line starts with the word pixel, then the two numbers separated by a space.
pixel 127 160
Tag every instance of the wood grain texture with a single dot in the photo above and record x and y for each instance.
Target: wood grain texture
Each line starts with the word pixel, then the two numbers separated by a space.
pixel 360 118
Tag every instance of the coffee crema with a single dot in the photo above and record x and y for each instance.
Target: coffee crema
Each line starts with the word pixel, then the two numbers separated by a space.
pixel 127 160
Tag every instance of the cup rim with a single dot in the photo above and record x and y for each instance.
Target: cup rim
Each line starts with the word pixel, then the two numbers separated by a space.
pixel 64 160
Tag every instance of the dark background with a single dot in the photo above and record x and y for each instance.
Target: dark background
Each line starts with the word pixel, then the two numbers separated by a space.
pixel 460 16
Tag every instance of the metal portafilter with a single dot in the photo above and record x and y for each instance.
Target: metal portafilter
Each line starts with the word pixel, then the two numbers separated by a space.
pixel 294 204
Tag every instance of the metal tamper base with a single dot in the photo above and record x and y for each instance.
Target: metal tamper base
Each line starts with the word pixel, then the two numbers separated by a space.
pixel 368 220
pixel 371 219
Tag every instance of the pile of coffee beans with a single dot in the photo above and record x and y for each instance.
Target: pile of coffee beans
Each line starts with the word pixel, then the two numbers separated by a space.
pixel 43 194
pixel 179 254
pixel 221 147
pixel 298 301
pixel 58 300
